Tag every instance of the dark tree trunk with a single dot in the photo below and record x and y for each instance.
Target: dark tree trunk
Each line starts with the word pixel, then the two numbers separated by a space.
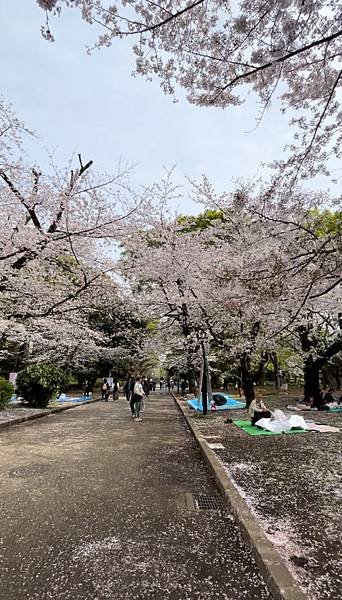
pixel 313 366
pixel 247 379
pixel 325 378
pixel 192 381
pixel 205 387
pixel 261 368
pixel 311 380
pixel 274 359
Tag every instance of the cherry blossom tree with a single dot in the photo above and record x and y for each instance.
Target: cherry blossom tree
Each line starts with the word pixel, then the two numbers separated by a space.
pixel 289 270
pixel 242 278
pixel 290 49
pixel 58 239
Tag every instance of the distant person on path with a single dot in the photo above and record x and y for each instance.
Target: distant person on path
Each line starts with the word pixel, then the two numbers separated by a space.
pixel 86 391
pixel 115 391
pixel 138 395
pixel 183 386
pixel 105 390
pixel 161 384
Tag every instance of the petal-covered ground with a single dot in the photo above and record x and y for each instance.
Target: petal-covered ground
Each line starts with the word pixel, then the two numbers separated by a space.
pixel 293 484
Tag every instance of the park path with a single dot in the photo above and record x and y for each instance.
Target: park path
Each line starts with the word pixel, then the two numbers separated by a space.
pixel 91 509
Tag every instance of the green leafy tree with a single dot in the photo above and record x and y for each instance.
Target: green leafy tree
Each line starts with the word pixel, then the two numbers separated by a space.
pixel 6 391
pixel 37 383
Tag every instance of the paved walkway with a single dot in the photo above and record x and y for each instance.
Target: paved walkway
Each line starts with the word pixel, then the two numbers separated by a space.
pixel 90 510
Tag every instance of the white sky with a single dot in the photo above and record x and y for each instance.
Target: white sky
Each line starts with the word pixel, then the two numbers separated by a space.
pixel 92 105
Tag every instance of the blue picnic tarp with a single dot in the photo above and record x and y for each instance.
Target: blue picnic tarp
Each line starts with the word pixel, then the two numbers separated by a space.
pixel 65 398
pixel 231 404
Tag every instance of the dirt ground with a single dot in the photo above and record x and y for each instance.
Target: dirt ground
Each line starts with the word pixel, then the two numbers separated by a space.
pixel 12 413
pixel 293 484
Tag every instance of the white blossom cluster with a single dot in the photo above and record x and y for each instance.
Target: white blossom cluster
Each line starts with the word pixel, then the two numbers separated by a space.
pixel 58 239
pixel 285 49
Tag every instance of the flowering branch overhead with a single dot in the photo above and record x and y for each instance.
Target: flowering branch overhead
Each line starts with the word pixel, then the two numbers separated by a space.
pixel 213 48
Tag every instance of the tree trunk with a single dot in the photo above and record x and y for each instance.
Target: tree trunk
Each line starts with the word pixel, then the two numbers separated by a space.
pixel 192 381
pixel 312 367
pixel 247 379
pixel 311 380
pixel 261 368
pixel 204 388
pixel 274 359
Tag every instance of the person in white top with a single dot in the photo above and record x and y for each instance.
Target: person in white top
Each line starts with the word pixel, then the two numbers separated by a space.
pixel 138 395
pixel 257 410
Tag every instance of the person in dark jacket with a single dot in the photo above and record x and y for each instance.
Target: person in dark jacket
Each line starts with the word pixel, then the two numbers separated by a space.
pixel 329 397
pixel 128 388
pixel 146 387
pixel 115 391
pixel 86 391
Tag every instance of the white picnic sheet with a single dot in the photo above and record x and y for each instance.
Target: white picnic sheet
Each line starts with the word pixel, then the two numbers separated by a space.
pixel 280 423
pixel 322 428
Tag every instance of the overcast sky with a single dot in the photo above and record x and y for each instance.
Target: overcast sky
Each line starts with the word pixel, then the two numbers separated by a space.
pixel 92 105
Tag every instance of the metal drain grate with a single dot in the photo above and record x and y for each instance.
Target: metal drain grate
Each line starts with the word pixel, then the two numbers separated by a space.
pixel 204 502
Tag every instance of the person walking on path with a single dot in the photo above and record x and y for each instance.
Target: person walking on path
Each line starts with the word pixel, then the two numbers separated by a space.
pixel 115 391
pixel 86 391
pixel 138 395
pixel 146 388
pixel 128 388
pixel 105 390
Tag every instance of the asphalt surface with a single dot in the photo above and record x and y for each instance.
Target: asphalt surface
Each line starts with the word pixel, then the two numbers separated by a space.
pixel 92 508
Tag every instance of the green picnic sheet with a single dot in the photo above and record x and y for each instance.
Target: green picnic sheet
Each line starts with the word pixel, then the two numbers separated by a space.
pixel 251 430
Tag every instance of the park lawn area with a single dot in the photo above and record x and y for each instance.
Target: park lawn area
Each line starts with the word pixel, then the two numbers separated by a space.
pixel 293 485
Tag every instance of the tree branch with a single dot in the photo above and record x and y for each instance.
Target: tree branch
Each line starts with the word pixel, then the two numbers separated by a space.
pixel 278 60
pixel 20 197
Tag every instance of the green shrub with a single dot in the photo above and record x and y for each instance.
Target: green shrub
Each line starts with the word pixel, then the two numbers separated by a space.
pixel 6 391
pixel 39 382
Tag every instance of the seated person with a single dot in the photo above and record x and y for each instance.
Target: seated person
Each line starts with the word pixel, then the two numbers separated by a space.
pixel 258 410
pixel 219 399
pixel 320 402
pixel 329 396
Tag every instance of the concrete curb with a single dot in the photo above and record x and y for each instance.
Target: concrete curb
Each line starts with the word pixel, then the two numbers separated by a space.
pixel 278 578
pixel 46 413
